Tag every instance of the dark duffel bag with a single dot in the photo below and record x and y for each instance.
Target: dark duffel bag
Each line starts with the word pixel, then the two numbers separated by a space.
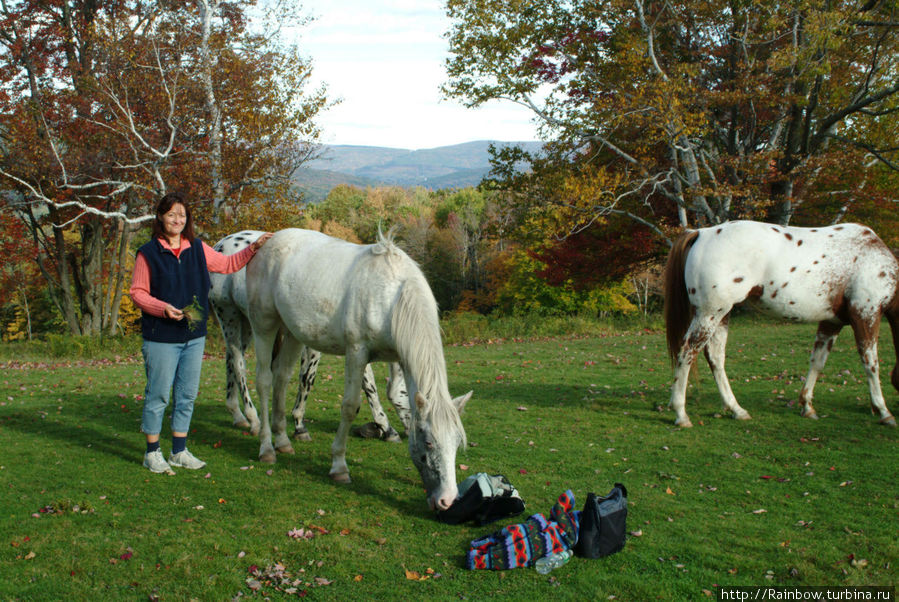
pixel 602 530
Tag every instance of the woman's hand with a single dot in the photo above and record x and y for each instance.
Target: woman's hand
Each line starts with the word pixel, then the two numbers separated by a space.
pixel 261 241
pixel 173 313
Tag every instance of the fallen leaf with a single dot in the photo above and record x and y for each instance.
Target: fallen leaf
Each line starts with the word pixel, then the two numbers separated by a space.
pixel 521 409
pixel 668 491
pixel 357 578
pixel 636 533
pixel 463 466
pixel 412 575
pixel 323 581
pixel 31 555
pixel 759 511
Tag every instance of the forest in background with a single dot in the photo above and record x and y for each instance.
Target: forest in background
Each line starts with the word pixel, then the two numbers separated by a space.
pixel 657 116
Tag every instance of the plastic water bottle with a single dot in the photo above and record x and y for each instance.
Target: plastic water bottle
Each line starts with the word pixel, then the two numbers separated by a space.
pixel 552 561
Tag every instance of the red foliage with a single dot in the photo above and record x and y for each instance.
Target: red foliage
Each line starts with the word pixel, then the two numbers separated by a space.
pixel 599 254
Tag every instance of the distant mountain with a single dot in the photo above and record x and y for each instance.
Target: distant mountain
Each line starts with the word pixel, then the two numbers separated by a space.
pixel 455 166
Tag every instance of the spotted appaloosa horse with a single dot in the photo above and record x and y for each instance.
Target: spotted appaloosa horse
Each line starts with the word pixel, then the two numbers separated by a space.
pixel 835 276
pixel 228 298
pixel 367 303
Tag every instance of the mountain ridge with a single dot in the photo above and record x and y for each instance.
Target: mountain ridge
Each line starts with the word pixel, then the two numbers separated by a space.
pixel 452 166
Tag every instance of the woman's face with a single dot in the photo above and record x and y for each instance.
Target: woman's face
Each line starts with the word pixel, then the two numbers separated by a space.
pixel 173 220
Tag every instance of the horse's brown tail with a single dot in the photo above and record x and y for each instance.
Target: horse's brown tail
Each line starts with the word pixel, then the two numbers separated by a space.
pixel 678 311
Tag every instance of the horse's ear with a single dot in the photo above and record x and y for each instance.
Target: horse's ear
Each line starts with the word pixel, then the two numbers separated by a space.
pixel 420 401
pixel 460 402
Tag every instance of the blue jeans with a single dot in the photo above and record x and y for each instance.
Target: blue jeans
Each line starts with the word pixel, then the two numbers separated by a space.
pixel 171 368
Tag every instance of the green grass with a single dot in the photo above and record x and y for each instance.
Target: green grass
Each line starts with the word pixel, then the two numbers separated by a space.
pixel 551 414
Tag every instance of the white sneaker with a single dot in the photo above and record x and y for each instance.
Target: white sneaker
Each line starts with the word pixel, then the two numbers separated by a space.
pixel 156 463
pixel 185 459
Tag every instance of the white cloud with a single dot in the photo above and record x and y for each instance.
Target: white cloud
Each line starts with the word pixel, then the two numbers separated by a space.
pixel 385 60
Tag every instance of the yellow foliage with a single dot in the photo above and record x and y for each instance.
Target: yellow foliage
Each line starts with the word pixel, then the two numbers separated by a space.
pixel 336 230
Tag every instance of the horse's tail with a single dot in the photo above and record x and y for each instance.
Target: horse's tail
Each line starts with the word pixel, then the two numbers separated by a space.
pixel 678 311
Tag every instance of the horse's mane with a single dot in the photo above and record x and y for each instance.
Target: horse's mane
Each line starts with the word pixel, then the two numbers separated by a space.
pixel 416 333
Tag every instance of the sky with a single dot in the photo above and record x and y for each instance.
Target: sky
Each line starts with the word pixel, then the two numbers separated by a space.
pixel 384 59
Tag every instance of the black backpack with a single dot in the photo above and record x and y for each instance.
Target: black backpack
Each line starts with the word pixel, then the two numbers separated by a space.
pixel 483 499
pixel 602 527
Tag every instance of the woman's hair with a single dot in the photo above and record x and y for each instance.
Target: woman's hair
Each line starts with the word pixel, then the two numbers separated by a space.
pixel 164 205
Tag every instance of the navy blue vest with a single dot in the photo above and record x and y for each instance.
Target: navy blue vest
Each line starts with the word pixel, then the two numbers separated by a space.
pixel 176 280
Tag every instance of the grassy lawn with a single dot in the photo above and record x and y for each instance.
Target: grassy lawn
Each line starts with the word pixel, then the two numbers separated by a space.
pixel 777 500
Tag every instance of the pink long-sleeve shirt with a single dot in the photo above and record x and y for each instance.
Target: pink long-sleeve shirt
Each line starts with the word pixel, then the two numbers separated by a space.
pixel 215 261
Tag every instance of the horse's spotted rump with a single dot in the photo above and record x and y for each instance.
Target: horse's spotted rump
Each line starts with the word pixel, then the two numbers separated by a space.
pixel 788 235
pixel 738 279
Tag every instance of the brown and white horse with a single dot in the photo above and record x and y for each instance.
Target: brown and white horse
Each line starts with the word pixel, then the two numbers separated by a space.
pixel 834 275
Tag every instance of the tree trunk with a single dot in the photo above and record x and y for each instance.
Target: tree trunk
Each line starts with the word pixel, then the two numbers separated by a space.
pixel 117 276
pixel 207 7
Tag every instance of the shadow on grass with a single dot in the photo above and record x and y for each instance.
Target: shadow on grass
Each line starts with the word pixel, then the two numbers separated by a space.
pixel 97 430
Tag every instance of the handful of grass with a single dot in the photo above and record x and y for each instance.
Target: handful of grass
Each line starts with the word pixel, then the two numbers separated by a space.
pixel 193 313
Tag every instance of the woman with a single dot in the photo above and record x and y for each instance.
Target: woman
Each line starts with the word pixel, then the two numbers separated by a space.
pixel 171 272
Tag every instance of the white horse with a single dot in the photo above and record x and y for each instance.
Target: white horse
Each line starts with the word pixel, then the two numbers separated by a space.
pixel 368 303
pixel 228 297
pixel 835 276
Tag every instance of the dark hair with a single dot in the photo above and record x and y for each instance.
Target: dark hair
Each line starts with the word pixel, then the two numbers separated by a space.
pixel 164 205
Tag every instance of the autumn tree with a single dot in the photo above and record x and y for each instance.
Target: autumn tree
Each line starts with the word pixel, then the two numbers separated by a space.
pixel 106 105
pixel 682 114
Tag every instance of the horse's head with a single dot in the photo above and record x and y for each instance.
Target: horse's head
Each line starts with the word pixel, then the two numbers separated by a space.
pixel 435 435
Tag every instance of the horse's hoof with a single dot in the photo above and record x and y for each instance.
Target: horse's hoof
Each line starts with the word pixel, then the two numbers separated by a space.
pixel 302 436
pixel 340 477
pixel 242 424
pixel 812 415
pixel 254 430
pixel 685 423
pixel 888 421
pixel 369 430
pixel 394 438
pixel 285 449
pixel 743 416
pixel 268 457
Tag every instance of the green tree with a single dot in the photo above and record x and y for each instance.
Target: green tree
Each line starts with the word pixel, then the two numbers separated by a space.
pixel 689 113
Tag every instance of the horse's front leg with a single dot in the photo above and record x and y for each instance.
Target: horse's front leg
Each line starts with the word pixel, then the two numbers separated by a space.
pixel 714 355
pixel 824 340
pixel 236 392
pixel 308 370
pixel 356 359
pixel 370 388
pixel 866 341
pixel 396 393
